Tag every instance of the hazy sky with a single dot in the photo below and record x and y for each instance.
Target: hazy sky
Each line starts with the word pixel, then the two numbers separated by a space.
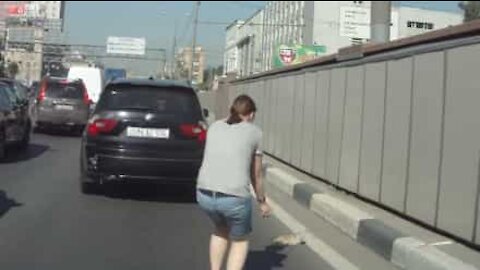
pixel 92 22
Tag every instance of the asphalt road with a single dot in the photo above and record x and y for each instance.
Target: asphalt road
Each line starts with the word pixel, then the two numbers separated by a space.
pixel 46 223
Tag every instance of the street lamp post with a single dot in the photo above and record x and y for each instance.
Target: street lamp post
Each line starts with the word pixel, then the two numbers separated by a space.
pixel 194 41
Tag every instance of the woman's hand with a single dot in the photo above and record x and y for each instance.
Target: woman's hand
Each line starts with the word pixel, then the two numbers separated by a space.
pixel 265 209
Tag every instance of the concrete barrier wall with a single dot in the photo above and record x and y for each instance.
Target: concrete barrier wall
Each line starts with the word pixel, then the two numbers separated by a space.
pixel 401 129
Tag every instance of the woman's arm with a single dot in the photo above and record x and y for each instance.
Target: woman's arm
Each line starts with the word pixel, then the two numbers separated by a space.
pixel 257 183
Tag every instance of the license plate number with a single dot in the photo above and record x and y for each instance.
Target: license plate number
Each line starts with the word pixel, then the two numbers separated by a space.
pixel 64 107
pixel 157 133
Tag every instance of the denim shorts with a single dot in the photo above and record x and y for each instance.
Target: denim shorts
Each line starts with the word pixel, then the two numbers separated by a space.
pixel 228 211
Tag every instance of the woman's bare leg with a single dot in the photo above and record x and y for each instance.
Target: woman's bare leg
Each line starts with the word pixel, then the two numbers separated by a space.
pixel 238 255
pixel 218 247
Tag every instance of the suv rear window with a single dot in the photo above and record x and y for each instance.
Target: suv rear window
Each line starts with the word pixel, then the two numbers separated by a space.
pixel 64 90
pixel 155 99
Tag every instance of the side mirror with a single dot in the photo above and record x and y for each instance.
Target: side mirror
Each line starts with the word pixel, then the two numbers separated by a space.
pixel 206 113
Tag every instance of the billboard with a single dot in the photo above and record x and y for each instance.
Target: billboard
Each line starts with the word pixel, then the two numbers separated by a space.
pixel 35 9
pixel 16 10
pixel 286 55
pixel 355 22
pixel 126 45
pixel 31 13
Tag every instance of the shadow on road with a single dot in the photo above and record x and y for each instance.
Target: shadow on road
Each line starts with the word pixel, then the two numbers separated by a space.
pixel 151 193
pixel 33 151
pixel 62 132
pixel 270 258
pixel 6 204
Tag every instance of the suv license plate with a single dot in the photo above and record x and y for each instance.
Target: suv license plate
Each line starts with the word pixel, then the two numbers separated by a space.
pixel 64 107
pixel 157 133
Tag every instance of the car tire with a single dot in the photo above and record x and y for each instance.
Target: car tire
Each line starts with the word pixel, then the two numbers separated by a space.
pixel 38 128
pixel 78 130
pixel 2 148
pixel 91 188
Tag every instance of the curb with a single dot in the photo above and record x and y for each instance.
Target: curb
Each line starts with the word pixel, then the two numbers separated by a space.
pixel 327 253
pixel 402 250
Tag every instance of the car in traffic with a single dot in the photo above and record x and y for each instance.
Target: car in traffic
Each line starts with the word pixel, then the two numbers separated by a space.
pixel 34 88
pixel 19 90
pixel 23 96
pixel 93 78
pixel 143 131
pixel 15 127
pixel 5 109
pixel 62 103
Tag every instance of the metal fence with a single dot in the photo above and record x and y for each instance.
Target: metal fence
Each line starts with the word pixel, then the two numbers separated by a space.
pixel 400 127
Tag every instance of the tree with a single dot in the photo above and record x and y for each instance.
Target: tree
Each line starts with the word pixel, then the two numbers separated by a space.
pixel 13 69
pixel 219 70
pixel 471 10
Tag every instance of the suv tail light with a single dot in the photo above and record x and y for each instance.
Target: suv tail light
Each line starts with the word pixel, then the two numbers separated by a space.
pixel 194 131
pixel 98 126
pixel 42 92
pixel 86 98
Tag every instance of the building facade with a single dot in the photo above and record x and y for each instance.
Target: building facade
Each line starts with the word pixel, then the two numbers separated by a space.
pixel 230 57
pixel 184 63
pixel 329 24
pixel 249 45
pixel 26 26
pixel 243 45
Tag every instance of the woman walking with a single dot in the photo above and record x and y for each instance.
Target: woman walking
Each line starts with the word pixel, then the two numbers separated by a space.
pixel 232 160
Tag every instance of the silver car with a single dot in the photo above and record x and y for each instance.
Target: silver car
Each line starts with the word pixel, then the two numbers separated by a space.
pixel 62 103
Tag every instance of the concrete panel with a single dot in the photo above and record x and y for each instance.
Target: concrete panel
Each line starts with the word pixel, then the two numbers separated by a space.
pixel 378 236
pixel 281 128
pixel 303 193
pixel 298 120
pixel 261 107
pixel 427 108
pixel 343 215
pixel 460 165
pixel 350 153
pixel 258 97
pixel 250 89
pixel 273 117
pixel 264 107
pixel 335 123
pixel 321 124
pixel 231 93
pixel 306 161
pixel 372 131
pixel 397 126
pixel 271 107
pixel 287 115
pixel 277 136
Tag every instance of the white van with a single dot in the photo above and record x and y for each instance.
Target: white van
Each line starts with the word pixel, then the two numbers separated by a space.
pixel 92 77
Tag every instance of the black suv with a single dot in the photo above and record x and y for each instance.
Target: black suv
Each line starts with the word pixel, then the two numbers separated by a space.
pixel 143 130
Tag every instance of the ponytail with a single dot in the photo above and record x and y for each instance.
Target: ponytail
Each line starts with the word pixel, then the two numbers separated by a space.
pixel 234 117
pixel 242 106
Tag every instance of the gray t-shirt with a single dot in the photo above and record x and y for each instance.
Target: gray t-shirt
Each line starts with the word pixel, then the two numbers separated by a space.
pixel 228 157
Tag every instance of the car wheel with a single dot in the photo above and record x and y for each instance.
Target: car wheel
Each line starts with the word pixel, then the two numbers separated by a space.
pixel 78 130
pixel 2 148
pixel 91 188
pixel 38 128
